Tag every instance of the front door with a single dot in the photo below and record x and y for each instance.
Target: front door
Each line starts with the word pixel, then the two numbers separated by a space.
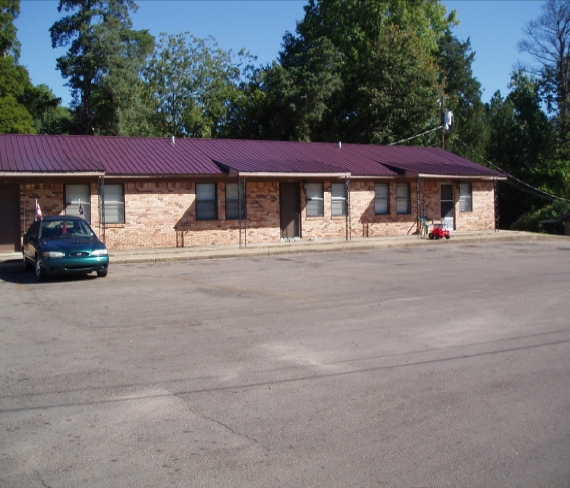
pixel 447 206
pixel 290 210
pixel 9 218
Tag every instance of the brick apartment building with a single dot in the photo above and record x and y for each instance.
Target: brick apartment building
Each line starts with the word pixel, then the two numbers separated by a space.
pixel 157 193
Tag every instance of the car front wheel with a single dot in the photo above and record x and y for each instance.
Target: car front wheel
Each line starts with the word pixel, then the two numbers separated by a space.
pixel 26 264
pixel 102 273
pixel 39 272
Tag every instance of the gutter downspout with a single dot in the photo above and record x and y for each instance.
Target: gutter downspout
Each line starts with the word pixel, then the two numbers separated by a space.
pixel 348 221
pixel 242 224
pixel 102 207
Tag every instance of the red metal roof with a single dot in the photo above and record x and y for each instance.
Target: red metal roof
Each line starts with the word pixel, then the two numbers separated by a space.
pixel 141 156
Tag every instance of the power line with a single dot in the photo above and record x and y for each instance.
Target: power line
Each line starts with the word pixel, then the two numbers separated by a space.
pixel 517 183
pixel 414 137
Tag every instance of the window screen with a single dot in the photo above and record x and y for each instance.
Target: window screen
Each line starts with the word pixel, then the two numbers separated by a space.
pixel 77 200
pixel 403 198
pixel 382 198
pixel 315 200
pixel 206 202
pixel 465 197
pixel 114 204
pixel 338 194
pixel 235 198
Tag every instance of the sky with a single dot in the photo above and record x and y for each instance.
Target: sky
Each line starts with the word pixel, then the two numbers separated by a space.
pixel 494 28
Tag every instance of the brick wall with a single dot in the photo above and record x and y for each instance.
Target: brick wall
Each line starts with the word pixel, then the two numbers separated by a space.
pixel 50 197
pixel 482 217
pixel 365 222
pixel 162 213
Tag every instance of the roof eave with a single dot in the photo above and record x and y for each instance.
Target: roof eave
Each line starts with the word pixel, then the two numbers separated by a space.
pixel 50 174
pixel 268 174
pixel 460 177
pixel 156 176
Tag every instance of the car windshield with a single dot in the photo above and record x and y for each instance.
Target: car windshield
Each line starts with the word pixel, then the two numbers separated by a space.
pixel 66 228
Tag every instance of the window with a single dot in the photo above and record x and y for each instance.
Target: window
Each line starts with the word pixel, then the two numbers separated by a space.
pixel 465 197
pixel 403 204
pixel 114 204
pixel 206 201
pixel 315 200
pixel 338 194
pixel 78 200
pixel 235 200
pixel 382 198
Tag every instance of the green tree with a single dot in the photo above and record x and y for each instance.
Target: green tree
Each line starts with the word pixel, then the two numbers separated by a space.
pixel 296 92
pixel 388 72
pixel 548 42
pixel 48 114
pixel 103 64
pixel 15 85
pixel 521 142
pixel 192 84
pixel 9 43
pixel 461 95
pixel 14 79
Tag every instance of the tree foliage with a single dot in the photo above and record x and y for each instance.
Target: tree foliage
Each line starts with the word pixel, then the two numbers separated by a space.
pixel 48 114
pixel 462 96
pixel 548 42
pixel 290 100
pixel 15 87
pixel 191 84
pixel 388 70
pixel 103 64
pixel 521 142
pixel 9 43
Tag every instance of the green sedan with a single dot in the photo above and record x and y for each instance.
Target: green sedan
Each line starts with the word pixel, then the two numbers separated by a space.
pixel 64 245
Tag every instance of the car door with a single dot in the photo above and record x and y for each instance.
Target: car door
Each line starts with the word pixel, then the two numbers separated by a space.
pixel 30 240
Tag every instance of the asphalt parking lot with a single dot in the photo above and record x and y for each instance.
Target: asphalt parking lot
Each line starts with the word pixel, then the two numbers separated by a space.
pixel 437 366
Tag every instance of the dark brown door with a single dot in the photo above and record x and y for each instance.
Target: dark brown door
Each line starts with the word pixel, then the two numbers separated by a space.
pixel 290 209
pixel 9 218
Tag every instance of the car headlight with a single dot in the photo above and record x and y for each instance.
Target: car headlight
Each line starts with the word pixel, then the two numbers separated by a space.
pixel 100 252
pixel 53 254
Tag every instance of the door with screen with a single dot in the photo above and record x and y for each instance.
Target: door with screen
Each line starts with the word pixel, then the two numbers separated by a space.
pixel 447 206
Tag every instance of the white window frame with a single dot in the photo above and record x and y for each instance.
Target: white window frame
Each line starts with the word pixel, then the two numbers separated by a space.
pixel 114 203
pixel 235 192
pixel 206 201
pixel 76 194
pixel 382 198
pixel 315 200
pixel 403 199
pixel 465 197
pixel 338 200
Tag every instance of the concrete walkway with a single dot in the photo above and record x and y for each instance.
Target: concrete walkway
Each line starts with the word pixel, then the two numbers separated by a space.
pixel 296 246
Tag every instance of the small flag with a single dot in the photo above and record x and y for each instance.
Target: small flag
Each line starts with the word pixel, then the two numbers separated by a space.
pixel 80 208
pixel 38 210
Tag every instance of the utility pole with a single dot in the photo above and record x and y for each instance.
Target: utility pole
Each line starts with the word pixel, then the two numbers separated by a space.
pixel 443 121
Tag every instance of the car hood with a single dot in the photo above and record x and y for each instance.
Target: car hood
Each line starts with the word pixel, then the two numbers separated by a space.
pixel 72 244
